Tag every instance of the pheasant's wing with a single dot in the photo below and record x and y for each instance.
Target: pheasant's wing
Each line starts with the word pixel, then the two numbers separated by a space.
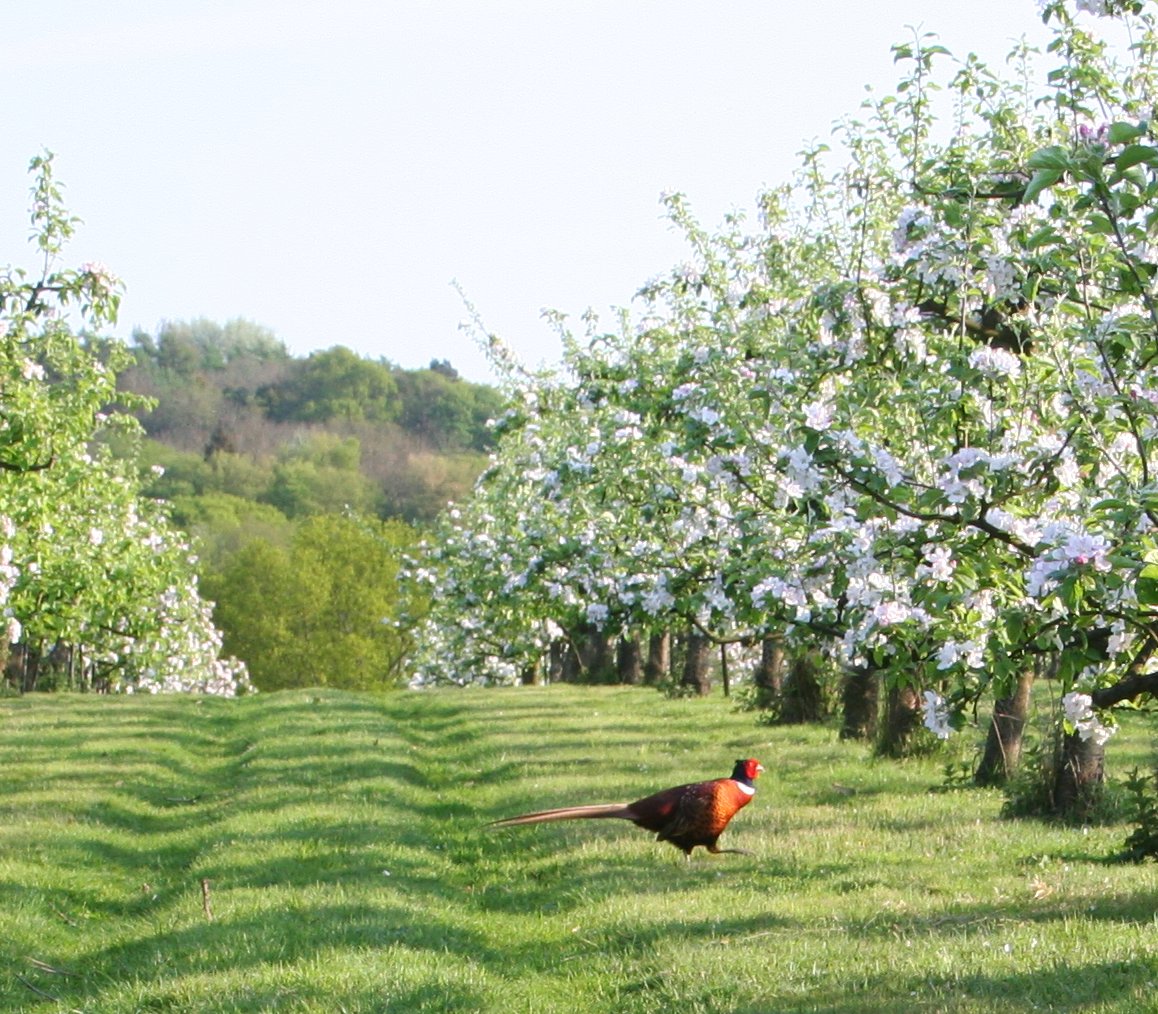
pixel 696 817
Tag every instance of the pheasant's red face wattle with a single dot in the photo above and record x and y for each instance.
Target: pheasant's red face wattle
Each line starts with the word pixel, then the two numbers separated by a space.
pixel 747 770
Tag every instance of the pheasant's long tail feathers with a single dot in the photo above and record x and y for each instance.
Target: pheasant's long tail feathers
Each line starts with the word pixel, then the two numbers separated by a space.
pixel 622 810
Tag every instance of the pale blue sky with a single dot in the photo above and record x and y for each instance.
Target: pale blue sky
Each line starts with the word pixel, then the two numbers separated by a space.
pixel 327 168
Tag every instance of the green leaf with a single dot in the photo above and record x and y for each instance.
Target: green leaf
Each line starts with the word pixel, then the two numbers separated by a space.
pixel 1136 175
pixel 1124 133
pixel 1054 157
pixel 1134 154
pixel 1046 234
pixel 1014 627
pixel 1043 179
pixel 1100 224
pixel 1146 586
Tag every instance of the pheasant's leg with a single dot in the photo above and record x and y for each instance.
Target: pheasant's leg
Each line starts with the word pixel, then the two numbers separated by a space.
pixel 716 850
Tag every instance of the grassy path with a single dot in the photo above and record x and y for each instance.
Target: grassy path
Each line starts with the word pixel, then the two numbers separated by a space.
pixel 347 868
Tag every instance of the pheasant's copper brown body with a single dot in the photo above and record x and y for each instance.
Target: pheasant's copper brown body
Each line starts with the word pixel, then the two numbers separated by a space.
pixel 686 815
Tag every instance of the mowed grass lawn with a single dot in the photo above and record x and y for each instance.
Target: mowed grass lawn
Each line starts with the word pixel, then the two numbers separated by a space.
pixel 342 840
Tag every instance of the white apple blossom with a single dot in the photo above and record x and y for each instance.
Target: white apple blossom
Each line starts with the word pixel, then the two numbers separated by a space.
pixel 939 564
pixel 1001 277
pixel 658 600
pixel 937 715
pixel 597 614
pixel 818 415
pixel 1079 713
pixel 910 222
pixel 889 613
pixel 888 466
pixel 996 363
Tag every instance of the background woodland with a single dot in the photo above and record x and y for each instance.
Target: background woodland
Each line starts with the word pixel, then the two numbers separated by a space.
pixel 302 481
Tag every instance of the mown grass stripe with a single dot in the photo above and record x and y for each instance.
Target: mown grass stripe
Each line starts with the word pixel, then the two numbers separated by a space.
pixel 343 839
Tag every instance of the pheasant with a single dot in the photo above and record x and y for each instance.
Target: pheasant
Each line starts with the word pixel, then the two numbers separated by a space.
pixel 686 816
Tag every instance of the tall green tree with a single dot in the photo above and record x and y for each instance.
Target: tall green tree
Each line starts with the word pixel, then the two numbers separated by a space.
pixel 328 610
pixel 447 413
pixel 320 474
pixel 185 347
pixel 335 384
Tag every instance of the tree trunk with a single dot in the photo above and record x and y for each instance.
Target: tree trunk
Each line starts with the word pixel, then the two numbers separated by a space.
pixel 12 674
pixel 596 659
pixel 902 719
pixel 696 664
pixel 570 670
pixel 1003 744
pixel 858 698
pixel 802 697
pixel 725 678
pixel 24 667
pixel 1079 777
pixel 658 666
pixel 629 660
pixel 6 655
pixel 769 675
pixel 88 674
pixel 602 667
pixel 532 674
pixel 557 660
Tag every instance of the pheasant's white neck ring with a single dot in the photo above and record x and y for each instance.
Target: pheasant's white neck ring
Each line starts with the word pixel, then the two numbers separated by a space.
pixel 748 790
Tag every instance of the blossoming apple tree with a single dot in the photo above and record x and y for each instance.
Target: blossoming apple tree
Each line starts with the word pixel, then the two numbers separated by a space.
pixel 911 418
pixel 87 564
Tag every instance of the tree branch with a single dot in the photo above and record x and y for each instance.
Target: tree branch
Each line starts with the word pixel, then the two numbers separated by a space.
pixel 40 466
pixel 1125 690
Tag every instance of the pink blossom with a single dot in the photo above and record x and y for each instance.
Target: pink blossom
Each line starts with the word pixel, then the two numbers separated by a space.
pixel 1082 548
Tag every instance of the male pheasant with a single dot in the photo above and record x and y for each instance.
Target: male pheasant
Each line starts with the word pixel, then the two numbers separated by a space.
pixel 686 815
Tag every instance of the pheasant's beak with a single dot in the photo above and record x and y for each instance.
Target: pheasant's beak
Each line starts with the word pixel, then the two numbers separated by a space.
pixel 759 767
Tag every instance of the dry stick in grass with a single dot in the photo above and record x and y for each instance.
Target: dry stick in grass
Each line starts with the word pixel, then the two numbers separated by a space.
pixel 205 899
pixel 40 992
pixel 71 922
pixel 44 967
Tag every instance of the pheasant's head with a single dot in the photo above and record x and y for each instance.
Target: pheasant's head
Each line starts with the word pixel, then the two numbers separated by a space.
pixel 747 771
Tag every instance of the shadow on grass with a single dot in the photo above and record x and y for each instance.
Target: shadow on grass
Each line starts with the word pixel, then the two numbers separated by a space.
pixel 1135 909
pixel 297 935
pixel 1113 986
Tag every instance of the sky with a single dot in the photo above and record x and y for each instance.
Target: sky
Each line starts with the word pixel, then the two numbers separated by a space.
pixel 328 168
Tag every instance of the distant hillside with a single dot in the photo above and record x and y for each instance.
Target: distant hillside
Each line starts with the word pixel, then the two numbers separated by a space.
pixel 236 414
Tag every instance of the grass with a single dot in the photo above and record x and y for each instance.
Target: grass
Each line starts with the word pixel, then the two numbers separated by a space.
pixel 348 869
